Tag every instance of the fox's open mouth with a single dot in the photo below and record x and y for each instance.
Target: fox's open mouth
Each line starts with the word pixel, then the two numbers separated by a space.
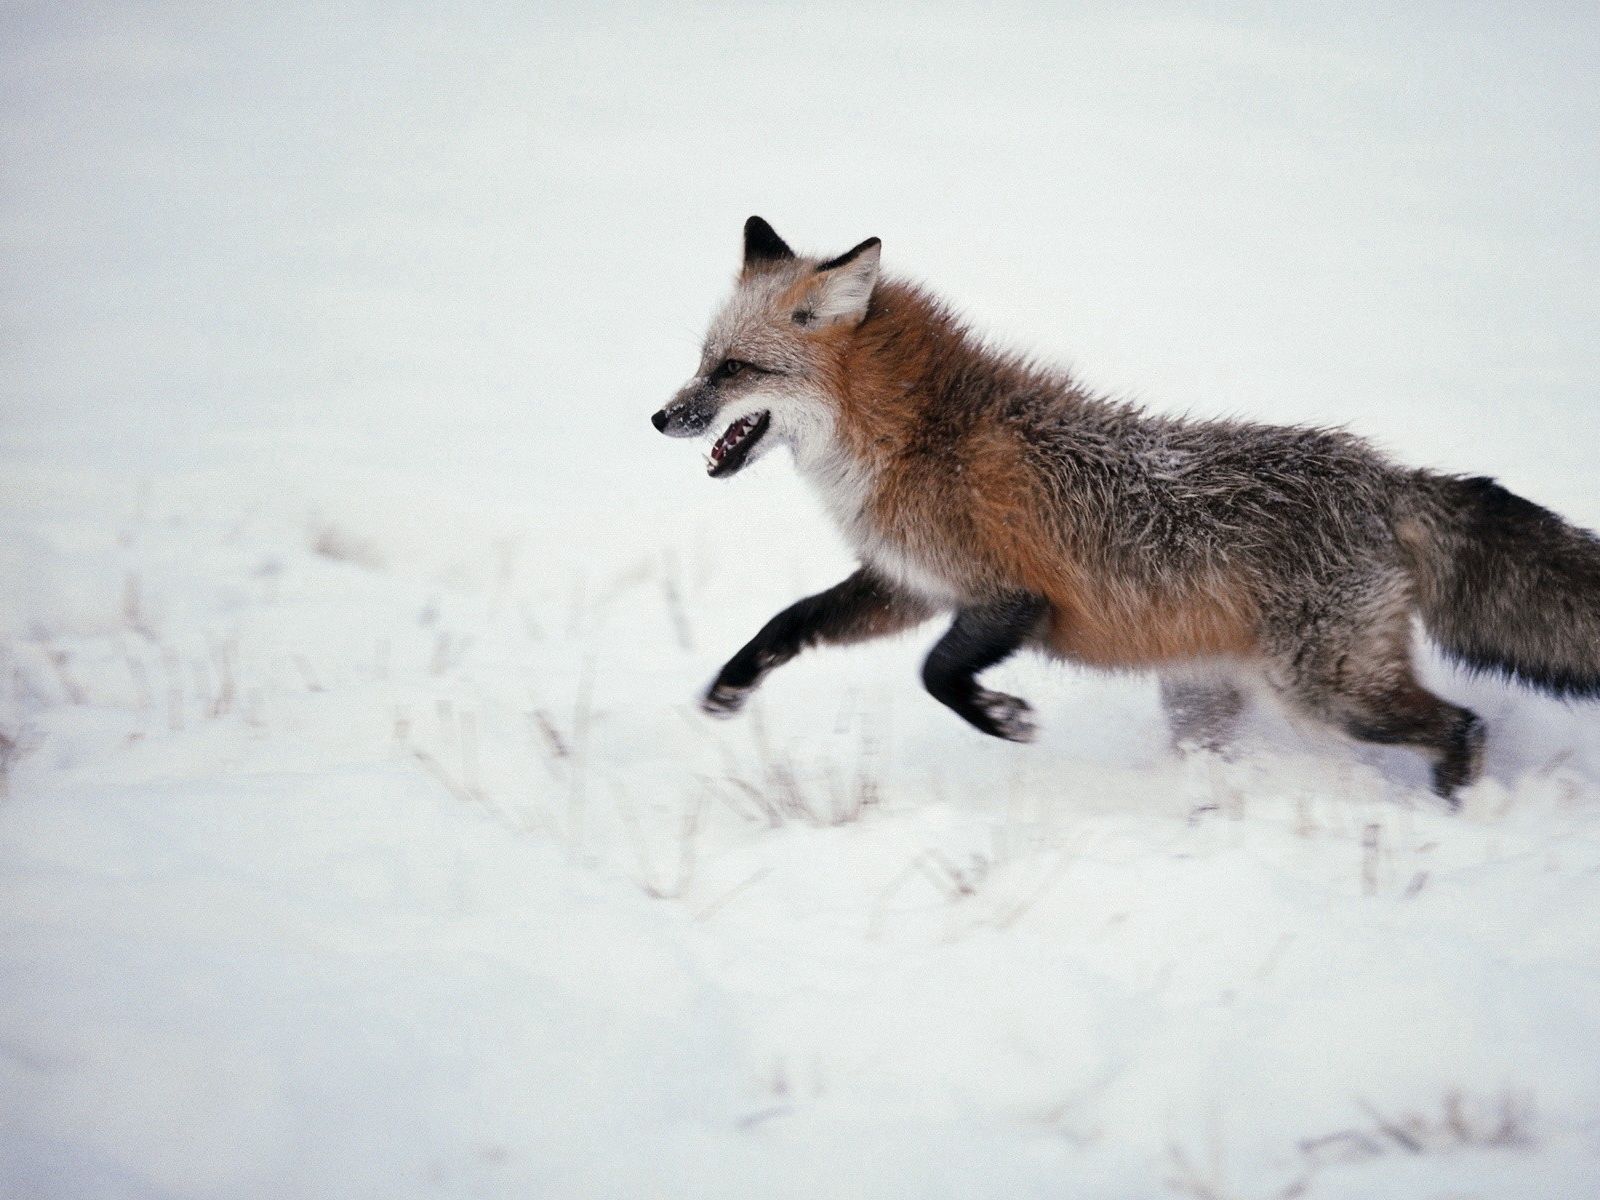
pixel 734 446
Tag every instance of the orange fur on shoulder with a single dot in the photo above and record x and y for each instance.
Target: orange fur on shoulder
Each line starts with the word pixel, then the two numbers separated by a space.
pixel 954 491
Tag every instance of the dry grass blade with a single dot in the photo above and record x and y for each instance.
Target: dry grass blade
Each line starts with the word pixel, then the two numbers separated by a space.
pixel 10 751
pixel 672 594
pixel 223 655
pixel 303 665
pixel 721 901
pixel 60 661
pixel 465 793
pixel 582 721
pixel 1401 1137
pixel 133 614
pixel 553 740
pixel 1371 849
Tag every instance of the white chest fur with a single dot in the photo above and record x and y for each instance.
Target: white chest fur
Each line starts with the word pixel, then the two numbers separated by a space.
pixel 845 488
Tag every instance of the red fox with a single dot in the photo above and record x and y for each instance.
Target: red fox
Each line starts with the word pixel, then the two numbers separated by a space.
pixel 1217 553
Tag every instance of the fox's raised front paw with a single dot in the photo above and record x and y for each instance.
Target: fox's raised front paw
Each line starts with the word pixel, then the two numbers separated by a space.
pixel 724 700
pixel 1002 716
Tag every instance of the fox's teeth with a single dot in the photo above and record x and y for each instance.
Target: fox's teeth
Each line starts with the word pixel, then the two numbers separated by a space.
pixel 733 438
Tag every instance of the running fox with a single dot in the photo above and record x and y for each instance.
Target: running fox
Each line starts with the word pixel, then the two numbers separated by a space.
pixel 1039 514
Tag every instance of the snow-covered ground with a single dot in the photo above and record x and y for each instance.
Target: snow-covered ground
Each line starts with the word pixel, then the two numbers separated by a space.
pixel 358 834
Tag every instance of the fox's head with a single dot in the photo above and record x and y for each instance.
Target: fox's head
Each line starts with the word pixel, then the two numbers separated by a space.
pixel 765 364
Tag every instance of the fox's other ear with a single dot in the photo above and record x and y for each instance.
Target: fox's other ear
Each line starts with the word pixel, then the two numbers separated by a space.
pixel 762 244
pixel 844 284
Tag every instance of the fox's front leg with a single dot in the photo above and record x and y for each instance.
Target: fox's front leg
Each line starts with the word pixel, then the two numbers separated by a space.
pixel 982 636
pixel 860 607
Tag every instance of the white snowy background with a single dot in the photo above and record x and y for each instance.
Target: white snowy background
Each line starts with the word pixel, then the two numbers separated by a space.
pixel 358 834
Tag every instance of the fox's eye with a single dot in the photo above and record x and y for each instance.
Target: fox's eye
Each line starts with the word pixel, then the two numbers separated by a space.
pixel 731 367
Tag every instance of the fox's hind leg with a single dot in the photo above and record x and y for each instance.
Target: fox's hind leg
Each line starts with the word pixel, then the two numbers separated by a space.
pixel 1356 674
pixel 860 607
pixel 982 636
pixel 1202 708
pixel 1404 713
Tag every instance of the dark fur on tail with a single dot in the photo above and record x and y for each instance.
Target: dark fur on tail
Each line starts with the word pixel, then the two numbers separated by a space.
pixel 1506 586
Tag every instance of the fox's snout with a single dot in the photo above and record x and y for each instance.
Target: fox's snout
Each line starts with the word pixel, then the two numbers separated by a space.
pixel 676 420
pixel 685 415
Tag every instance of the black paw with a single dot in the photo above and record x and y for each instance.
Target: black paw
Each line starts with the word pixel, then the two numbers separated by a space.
pixel 724 700
pixel 1000 715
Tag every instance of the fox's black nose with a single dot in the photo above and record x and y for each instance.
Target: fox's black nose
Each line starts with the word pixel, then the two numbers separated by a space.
pixel 659 420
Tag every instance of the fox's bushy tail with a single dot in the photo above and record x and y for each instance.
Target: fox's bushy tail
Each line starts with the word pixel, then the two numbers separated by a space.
pixel 1504 585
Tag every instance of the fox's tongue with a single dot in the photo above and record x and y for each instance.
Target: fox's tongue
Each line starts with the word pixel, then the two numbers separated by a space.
pixel 730 438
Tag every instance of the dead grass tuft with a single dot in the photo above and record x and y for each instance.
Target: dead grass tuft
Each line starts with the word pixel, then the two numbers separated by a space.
pixel 1504 1121
pixel 777 789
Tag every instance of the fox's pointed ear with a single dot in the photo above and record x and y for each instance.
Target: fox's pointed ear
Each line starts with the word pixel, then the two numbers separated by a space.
pixel 762 244
pixel 844 285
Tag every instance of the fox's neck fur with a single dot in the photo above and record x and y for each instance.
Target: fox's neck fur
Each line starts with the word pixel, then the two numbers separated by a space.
pixel 911 361
pixel 915 397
